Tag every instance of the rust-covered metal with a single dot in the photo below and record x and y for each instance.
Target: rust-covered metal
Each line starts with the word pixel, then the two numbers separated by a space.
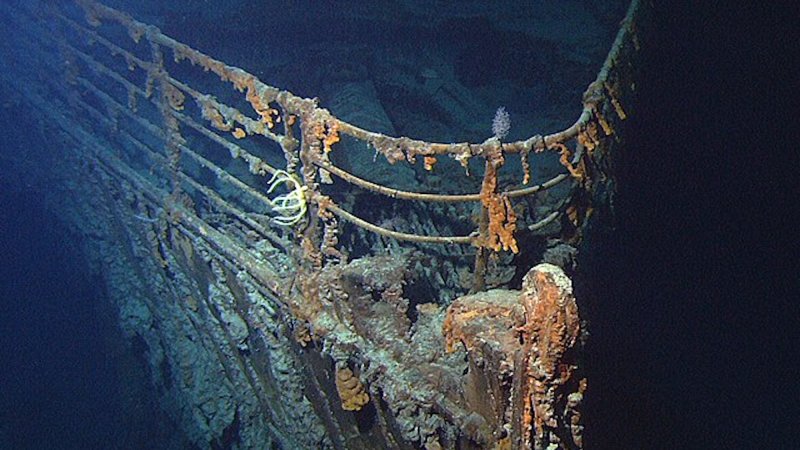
pixel 274 314
pixel 523 349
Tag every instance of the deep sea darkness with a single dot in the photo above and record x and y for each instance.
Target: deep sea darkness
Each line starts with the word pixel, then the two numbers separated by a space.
pixel 67 379
pixel 57 388
pixel 693 339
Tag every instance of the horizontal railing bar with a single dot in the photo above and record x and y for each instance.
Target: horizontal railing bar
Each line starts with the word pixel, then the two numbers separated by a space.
pixel 76 132
pixel 544 222
pixel 255 163
pixel 218 171
pixel 101 68
pixel 198 226
pixel 210 194
pixel 392 192
pixel 213 196
pixel 112 47
pixel 239 256
pixel 448 198
pixel 253 160
pixel 333 208
pixel 296 105
pixel 237 151
pixel 239 184
pixel 249 123
pixel 421 239
pixel 253 124
pixel 536 188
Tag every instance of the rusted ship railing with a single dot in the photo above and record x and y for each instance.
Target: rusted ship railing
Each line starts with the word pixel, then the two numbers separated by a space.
pixel 320 131
pixel 129 111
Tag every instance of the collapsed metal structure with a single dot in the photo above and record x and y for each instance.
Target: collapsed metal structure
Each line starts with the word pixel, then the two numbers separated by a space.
pixel 219 221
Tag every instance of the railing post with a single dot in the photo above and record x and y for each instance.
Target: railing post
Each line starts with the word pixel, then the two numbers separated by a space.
pixel 170 98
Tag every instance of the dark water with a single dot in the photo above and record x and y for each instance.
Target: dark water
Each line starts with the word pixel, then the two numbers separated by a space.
pixel 693 334
pixel 67 379
pixel 58 388
pixel 696 321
